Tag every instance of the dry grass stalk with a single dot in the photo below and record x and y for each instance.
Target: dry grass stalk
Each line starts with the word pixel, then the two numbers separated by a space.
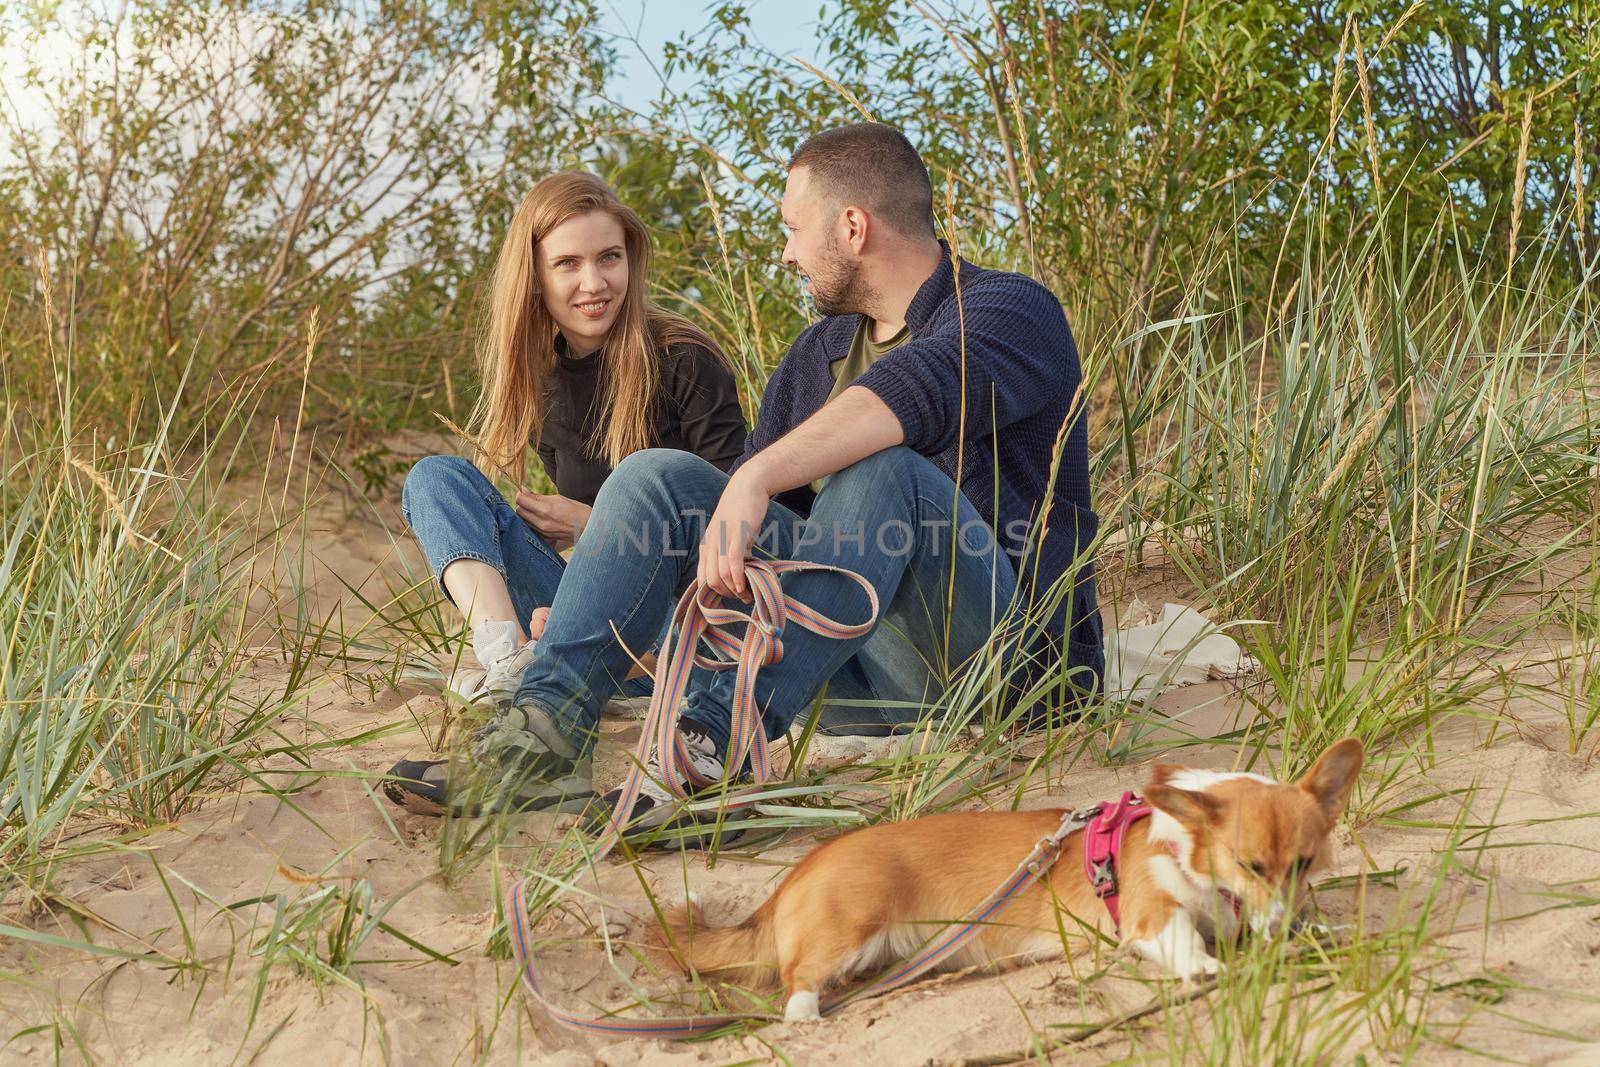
pixel 1521 182
pixel 109 491
pixel 1579 214
pixel 1366 113
pixel 1358 443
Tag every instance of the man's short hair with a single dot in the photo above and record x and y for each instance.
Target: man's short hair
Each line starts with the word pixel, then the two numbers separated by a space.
pixel 874 166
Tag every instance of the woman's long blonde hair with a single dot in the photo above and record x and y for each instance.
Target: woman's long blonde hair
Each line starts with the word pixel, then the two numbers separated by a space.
pixel 518 348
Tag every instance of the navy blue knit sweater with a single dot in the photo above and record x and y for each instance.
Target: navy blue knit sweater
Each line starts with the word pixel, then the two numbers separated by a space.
pixel 1022 374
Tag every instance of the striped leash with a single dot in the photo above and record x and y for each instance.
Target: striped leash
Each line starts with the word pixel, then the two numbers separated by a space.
pixel 700 615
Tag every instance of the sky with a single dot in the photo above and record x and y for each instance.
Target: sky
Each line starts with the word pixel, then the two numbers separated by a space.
pixel 788 27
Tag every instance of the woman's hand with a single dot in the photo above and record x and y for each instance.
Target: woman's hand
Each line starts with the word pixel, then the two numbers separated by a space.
pixel 537 622
pixel 558 519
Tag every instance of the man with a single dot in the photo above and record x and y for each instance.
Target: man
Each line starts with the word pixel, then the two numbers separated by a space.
pixel 924 374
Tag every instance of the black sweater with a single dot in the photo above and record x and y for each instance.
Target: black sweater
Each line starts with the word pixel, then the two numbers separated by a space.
pixel 697 410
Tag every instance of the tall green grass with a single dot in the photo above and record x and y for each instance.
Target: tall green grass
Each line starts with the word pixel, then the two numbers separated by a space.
pixel 124 579
pixel 1396 474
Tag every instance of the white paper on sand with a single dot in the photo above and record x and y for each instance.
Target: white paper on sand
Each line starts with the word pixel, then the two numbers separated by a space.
pixel 1151 653
pixel 1178 646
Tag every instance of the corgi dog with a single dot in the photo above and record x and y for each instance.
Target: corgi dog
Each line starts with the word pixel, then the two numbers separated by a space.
pixel 1216 850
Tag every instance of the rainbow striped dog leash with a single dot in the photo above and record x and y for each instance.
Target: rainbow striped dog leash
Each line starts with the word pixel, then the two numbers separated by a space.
pixel 700 614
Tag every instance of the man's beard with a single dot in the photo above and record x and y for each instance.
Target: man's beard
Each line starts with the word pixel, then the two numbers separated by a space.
pixel 837 287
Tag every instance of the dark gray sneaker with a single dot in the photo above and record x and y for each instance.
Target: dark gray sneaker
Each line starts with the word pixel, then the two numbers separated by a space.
pixel 519 762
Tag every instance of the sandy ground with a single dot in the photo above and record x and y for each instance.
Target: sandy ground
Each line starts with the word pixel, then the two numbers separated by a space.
pixel 1513 969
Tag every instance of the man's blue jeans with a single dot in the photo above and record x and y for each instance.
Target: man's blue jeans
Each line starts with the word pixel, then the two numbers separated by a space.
pixel 457 513
pixel 894 518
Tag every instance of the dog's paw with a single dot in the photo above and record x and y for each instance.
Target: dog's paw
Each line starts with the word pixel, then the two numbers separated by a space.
pixel 1178 950
pixel 803 1007
pixel 1193 967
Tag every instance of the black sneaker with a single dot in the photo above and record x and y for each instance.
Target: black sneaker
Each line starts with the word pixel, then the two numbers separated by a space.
pixel 660 819
pixel 519 762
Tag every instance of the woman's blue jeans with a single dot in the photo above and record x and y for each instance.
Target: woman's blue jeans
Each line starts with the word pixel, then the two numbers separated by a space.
pixel 942 581
pixel 457 513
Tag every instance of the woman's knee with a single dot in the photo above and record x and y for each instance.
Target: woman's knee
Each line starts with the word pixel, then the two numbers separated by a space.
pixel 433 476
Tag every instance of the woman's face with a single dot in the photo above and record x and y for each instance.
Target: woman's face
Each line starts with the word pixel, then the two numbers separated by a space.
pixel 583 271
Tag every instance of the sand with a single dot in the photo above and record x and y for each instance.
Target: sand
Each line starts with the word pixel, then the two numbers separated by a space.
pixel 1510 971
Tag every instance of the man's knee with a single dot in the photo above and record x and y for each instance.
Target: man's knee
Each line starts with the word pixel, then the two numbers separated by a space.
pixel 884 463
pixel 870 505
pixel 648 502
pixel 654 465
pixel 876 473
pixel 432 475
pixel 660 481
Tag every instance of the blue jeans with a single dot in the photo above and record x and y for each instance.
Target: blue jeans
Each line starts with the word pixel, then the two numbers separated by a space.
pixel 457 513
pixel 894 518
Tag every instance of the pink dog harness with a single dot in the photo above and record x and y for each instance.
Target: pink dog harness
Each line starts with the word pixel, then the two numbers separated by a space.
pixel 1102 852
pixel 1102 848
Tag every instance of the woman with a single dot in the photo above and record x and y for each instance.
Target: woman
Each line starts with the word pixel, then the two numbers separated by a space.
pixel 578 361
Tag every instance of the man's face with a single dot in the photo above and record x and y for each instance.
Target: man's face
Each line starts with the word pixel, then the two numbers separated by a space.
pixel 815 248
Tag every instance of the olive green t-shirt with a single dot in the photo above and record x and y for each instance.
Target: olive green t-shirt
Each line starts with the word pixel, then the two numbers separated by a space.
pixel 864 352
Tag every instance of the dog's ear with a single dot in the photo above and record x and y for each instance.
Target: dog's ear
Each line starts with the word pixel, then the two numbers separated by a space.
pixel 1329 781
pixel 1162 773
pixel 1194 809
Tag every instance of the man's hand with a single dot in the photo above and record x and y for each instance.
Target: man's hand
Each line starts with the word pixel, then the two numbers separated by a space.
pixel 558 519
pixel 850 427
pixel 733 526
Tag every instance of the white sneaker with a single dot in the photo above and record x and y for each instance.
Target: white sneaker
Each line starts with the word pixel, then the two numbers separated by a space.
pixel 704 763
pixel 496 684
pixel 465 680
pixel 501 680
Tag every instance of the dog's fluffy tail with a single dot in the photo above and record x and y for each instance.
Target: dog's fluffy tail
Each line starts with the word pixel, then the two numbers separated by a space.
pixel 746 954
